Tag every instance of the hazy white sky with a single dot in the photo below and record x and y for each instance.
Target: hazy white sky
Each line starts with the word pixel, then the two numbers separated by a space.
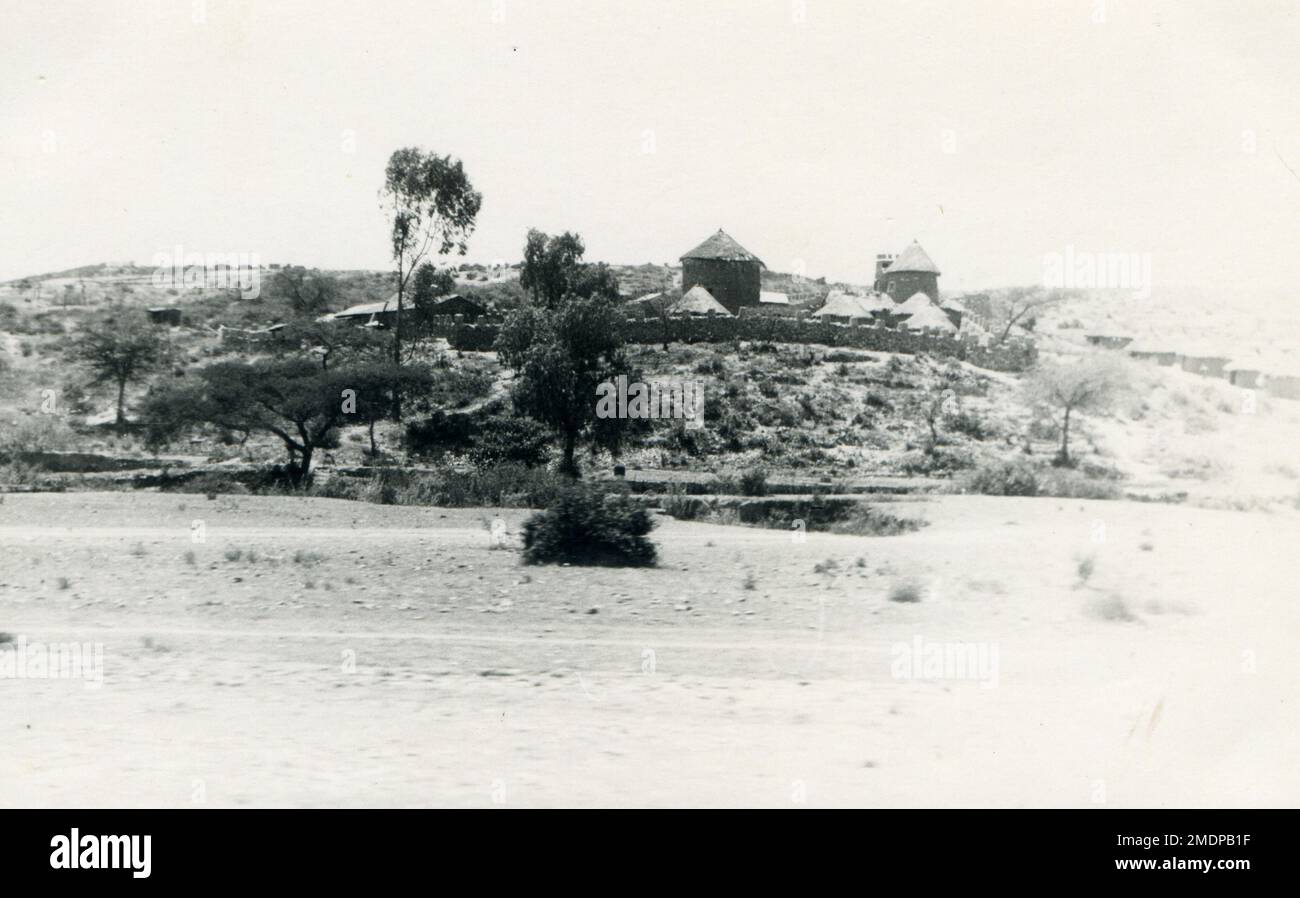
pixel 816 133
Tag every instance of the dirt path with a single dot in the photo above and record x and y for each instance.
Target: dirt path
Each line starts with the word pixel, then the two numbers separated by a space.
pixel 402 660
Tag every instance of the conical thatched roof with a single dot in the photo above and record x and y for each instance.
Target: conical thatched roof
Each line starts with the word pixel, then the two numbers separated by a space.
pixel 929 316
pixel 698 301
pixel 723 248
pixel 843 305
pixel 913 259
pixel 917 302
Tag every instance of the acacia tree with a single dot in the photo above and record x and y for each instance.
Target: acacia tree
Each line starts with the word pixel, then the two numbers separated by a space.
pixel 935 395
pixel 293 399
pixel 432 208
pixel 120 349
pixel 560 356
pixel 306 292
pixel 1020 306
pixel 1091 384
pixel 374 386
pixel 332 342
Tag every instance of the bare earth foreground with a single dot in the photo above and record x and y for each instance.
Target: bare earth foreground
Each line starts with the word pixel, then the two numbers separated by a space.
pixel 412 664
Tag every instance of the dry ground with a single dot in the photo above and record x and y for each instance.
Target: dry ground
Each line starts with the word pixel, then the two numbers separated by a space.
pixel 412 664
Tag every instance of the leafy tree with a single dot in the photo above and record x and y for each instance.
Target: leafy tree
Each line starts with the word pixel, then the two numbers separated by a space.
pixel 1091 384
pixel 432 206
pixel 430 283
pixel 506 439
pixel 547 263
pixel 332 342
pixel 293 399
pixel 1020 306
pixel 658 309
pixel 560 356
pixel 119 349
pixel 374 387
pixel 553 269
pixel 934 398
pixel 305 292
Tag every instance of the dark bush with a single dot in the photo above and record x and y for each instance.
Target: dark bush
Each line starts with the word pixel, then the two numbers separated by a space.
pixel 584 526
pixel 1004 478
pixel 939 463
pixel 753 482
pixel 970 425
pixel 511 438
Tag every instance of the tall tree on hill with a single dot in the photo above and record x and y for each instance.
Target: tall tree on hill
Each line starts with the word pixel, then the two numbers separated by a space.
pixel 120 349
pixel 432 207
pixel 553 269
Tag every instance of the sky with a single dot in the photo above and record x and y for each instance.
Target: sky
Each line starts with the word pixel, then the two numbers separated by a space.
pixel 816 133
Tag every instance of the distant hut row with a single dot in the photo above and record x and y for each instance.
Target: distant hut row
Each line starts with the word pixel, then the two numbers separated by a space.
pixel 1278 373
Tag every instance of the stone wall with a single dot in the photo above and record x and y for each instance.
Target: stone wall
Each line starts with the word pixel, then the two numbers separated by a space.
pixel 1016 354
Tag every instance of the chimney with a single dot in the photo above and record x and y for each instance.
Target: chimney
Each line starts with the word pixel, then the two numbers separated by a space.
pixel 883 261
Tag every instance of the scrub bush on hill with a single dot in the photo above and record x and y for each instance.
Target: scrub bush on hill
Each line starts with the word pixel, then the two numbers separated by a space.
pixel 1004 478
pixel 586 527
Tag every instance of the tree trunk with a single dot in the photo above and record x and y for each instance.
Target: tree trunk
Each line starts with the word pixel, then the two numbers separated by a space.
pixel 569 465
pixel 303 471
pixel 1065 439
pixel 373 450
pixel 121 402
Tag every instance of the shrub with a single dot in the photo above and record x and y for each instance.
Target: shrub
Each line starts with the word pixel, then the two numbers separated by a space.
pixel 511 438
pixel 940 462
pixel 970 425
pixel 714 364
pixel 906 591
pixel 1004 478
pixel 867 521
pixel 1067 484
pixel 753 482
pixel 585 526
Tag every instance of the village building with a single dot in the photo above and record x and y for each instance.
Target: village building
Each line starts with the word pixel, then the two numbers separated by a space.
pixel 384 314
pixel 922 314
pixel 842 306
pixel 698 301
pixel 1108 341
pixel 731 274
pixel 168 316
pixel 911 272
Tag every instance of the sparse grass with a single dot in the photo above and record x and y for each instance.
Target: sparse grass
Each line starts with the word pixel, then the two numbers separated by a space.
pixel 1085 567
pixel 190 558
pixel 1110 607
pixel 62 582
pixel 750 583
pixel 867 521
pixel 829 566
pixel 307 557
pixel 234 554
pixel 906 591
pixel 139 551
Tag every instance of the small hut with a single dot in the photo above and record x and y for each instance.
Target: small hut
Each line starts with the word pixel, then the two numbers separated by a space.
pixel 698 302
